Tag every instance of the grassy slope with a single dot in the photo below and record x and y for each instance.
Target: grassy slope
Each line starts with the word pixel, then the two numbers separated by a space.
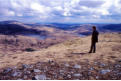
pixel 76 50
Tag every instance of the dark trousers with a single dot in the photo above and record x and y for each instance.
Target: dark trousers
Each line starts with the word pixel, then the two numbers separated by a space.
pixel 93 47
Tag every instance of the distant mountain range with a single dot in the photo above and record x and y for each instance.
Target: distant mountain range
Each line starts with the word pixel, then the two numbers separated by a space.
pixel 15 27
pixel 111 28
pixel 101 27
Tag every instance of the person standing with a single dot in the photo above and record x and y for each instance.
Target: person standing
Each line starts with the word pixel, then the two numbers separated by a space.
pixel 94 40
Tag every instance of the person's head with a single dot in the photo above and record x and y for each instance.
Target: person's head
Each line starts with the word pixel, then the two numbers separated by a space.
pixel 94 28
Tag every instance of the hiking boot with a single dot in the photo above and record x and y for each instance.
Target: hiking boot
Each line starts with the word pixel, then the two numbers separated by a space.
pixel 94 52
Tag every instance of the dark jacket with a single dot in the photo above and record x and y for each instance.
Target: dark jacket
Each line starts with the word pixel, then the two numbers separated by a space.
pixel 95 36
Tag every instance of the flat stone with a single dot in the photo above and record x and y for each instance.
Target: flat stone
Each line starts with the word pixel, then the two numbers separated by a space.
pixel 40 77
pixel 19 79
pixel 91 69
pixel 67 65
pixel 37 70
pixel 95 63
pixel 69 76
pixel 27 72
pixel 76 79
pixel 77 66
pixel 117 66
pixel 105 71
pixel 48 78
pixel 15 74
pixel 61 71
pixel 77 75
pixel 102 64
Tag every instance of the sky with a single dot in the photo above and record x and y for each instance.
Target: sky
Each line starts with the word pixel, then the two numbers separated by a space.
pixel 61 11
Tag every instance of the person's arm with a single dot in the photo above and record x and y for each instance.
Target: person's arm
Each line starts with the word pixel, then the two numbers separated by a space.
pixel 97 35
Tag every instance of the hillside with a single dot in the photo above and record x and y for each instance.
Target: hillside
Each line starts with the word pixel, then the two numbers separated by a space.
pixel 52 29
pixel 106 61
pixel 18 28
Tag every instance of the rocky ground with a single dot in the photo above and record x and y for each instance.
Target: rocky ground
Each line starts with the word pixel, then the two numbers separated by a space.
pixel 68 60
pixel 63 71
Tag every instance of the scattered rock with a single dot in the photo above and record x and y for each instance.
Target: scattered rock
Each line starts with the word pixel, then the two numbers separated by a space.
pixel 25 66
pixel 67 65
pixel 37 70
pixel 102 64
pixel 118 66
pixel 77 66
pixel 27 72
pixel 105 71
pixel 40 77
pixel 16 74
pixel 25 77
pixel 7 70
pixel 69 76
pixel 89 73
pixel 19 79
pixel 97 77
pixel 50 61
pixel 60 72
pixel 48 79
pixel 15 67
pixel 95 63
pixel 31 66
pixel 77 75
pixel 91 69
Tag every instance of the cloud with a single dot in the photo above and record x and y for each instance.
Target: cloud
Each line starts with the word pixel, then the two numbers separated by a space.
pixel 40 8
pixel 91 3
pixel 61 10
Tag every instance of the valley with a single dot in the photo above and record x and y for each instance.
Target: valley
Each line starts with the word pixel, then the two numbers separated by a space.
pixel 49 52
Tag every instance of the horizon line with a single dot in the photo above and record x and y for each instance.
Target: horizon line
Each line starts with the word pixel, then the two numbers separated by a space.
pixel 53 22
